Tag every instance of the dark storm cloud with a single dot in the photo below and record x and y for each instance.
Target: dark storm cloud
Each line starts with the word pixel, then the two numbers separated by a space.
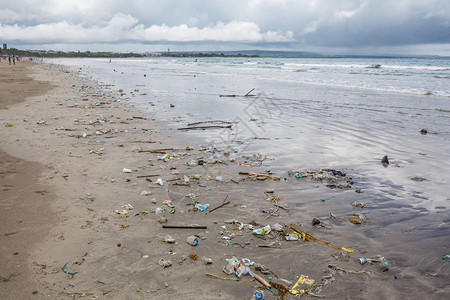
pixel 294 24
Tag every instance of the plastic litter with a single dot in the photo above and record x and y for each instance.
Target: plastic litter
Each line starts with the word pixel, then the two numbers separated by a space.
pixel 201 207
pixel 446 257
pixel 125 170
pixel 206 260
pixel 159 181
pixel 168 239
pixel 262 231
pixel 382 262
pixel 302 284
pixel 258 295
pixel 292 237
pixel 359 204
pixel 164 263
pixel 192 240
pixel 358 219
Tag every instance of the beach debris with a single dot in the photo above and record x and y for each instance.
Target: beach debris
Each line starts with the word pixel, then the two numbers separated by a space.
pixel 201 207
pixel 146 193
pixel 259 176
pixel 205 127
pixel 359 204
pixel 261 280
pixel 292 237
pixel 446 257
pixel 385 161
pixel 193 256
pixel 303 283
pixel 423 132
pixel 159 181
pixel 233 95
pixel 221 205
pixel 164 158
pixel 210 121
pixel 206 260
pixel 258 295
pixel 358 219
pixel 306 236
pixel 192 240
pixel 261 268
pixel 418 179
pixel 128 206
pixel 328 278
pixel 69 274
pixel 169 240
pixel 383 264
pixel 262 231
pixel 164 263
pixel 160 150
pixel 123 246
pixel 220 277
pixel 315 221
pixel 9 125
pixel 184 227
pixel 125 170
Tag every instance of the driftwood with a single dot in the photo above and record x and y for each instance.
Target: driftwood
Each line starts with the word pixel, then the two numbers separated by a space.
pixel 224 278
pixel 233 95
pixel 205 127
pixel 161 150
pixel 221 205
pixel 144 176
pixel 261 280
pixel 142 142
pixel 212 121
pixel 184 226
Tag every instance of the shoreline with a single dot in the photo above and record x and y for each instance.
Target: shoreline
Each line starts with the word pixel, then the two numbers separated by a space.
pixel 109 250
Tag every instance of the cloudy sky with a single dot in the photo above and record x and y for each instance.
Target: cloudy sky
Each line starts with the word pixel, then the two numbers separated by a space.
pixel 326 26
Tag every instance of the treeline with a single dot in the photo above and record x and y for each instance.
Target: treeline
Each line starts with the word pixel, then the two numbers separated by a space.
pixel 17 52
pixel 207 54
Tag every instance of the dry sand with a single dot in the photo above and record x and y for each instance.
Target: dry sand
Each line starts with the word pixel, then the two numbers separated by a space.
pixel 60 193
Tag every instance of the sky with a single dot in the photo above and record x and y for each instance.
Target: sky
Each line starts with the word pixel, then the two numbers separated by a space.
pixel 321 26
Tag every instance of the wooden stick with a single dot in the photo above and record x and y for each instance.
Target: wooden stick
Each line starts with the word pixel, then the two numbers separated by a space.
pixel 307 236
pixel 212 121
pixel 224 278
pixel 184 226
pixel 143 176
pixel 272 213
pixel 161 150
pixel 246 95
pixel 261 280
pixel 223 204
pixel 205 127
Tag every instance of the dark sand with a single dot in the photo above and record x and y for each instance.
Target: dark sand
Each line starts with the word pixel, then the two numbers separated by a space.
pixel 25 210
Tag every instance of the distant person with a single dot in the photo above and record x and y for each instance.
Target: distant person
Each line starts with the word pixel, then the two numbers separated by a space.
pixel 14 60
pixel 9 59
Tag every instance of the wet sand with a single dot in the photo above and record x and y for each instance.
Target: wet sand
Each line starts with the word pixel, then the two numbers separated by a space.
pixel 81 136
pixel 25 213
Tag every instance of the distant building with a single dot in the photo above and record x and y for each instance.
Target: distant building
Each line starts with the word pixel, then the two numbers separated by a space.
pixel 5 47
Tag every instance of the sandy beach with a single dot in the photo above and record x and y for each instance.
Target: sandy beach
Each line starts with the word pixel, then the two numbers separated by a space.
pixel 89 181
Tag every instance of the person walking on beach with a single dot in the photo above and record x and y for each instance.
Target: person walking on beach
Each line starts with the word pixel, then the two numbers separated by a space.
pixel 14 60
pixel 9 59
